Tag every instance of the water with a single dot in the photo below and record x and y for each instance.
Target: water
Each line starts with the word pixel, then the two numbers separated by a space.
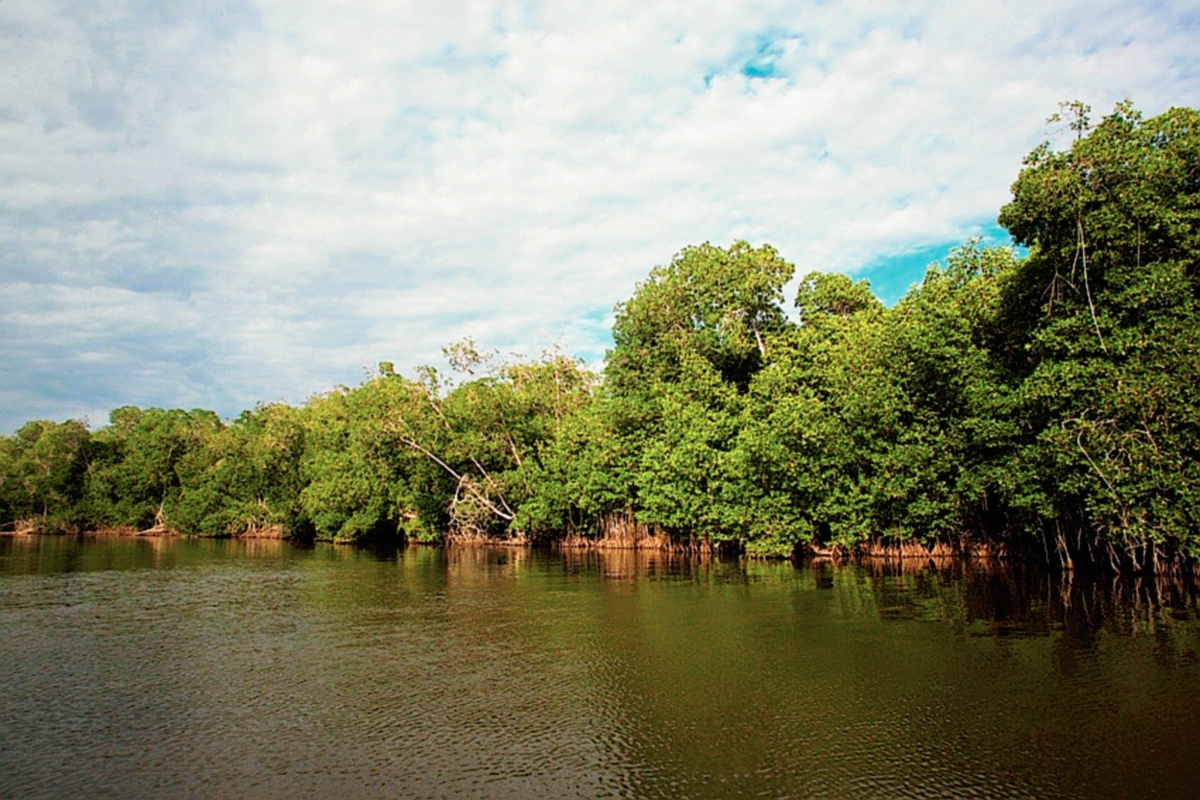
pixel 154 668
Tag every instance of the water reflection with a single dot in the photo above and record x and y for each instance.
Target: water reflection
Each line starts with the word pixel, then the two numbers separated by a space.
pixel 159 667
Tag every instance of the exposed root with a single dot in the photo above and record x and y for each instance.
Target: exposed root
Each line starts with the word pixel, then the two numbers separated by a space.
pixel 906 550
pixel 160 527
pixel 480 538
pixel 34 526
pixel 111 530
pixel 28 527
pixel 259 531
pixel 624 532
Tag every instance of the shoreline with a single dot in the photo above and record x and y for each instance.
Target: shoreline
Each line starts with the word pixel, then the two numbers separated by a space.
pixel 909 553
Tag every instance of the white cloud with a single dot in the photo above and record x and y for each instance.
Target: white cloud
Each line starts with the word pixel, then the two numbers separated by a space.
pixel 237 203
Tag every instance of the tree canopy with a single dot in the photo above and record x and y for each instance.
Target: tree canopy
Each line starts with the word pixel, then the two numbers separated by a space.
pixel 1042 403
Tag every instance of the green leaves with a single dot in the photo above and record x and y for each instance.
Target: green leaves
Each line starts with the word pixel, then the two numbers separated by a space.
pixel 41 473
pixel 137 476
pixel 1106 309
pixel 689 343
pixel 833 295
pixel 722 305
pixel 1018 399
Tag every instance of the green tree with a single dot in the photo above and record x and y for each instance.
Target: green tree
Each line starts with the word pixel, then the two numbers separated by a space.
pixel 687 347
pixel 134 479
pixel 493 433
pixel 245 479
pixel 358 475
pixel 1102 325
pixel 42 469
pixel 940 344
pixel 821 415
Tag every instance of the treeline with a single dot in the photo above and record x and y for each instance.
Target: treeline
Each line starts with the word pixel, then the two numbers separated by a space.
pixel 1043 404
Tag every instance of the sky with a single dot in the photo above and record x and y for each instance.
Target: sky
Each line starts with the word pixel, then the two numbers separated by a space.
pixel 215 204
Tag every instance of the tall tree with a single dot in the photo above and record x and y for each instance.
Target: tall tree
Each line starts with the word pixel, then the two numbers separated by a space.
pixel 135 480
pixel 42 473
pixel 687 346
pixel 1103 324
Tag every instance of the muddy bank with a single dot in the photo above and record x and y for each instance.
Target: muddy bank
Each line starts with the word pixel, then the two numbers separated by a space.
pixel 37 527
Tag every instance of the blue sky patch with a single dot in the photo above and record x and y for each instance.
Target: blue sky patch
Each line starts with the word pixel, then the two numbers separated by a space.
pixel 764 62
pixel 756 57
pixel 892 275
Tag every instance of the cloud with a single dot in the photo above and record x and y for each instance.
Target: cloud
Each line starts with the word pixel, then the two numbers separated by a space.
pixel 230 202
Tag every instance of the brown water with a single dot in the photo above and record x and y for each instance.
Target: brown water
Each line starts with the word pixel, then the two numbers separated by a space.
pixel 134 668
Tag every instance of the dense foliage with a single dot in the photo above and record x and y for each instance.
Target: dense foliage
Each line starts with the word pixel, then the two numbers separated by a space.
pixel 1044 403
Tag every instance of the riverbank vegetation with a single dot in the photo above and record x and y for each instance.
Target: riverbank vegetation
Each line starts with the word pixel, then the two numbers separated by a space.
pixel 1043 404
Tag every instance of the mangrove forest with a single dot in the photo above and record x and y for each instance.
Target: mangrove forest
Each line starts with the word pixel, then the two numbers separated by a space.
pixel 1039 401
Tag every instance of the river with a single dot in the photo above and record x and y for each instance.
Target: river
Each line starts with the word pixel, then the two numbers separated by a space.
pixel 181 667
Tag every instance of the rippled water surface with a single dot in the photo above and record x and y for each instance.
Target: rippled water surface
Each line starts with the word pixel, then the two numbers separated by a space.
pixel 159 668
